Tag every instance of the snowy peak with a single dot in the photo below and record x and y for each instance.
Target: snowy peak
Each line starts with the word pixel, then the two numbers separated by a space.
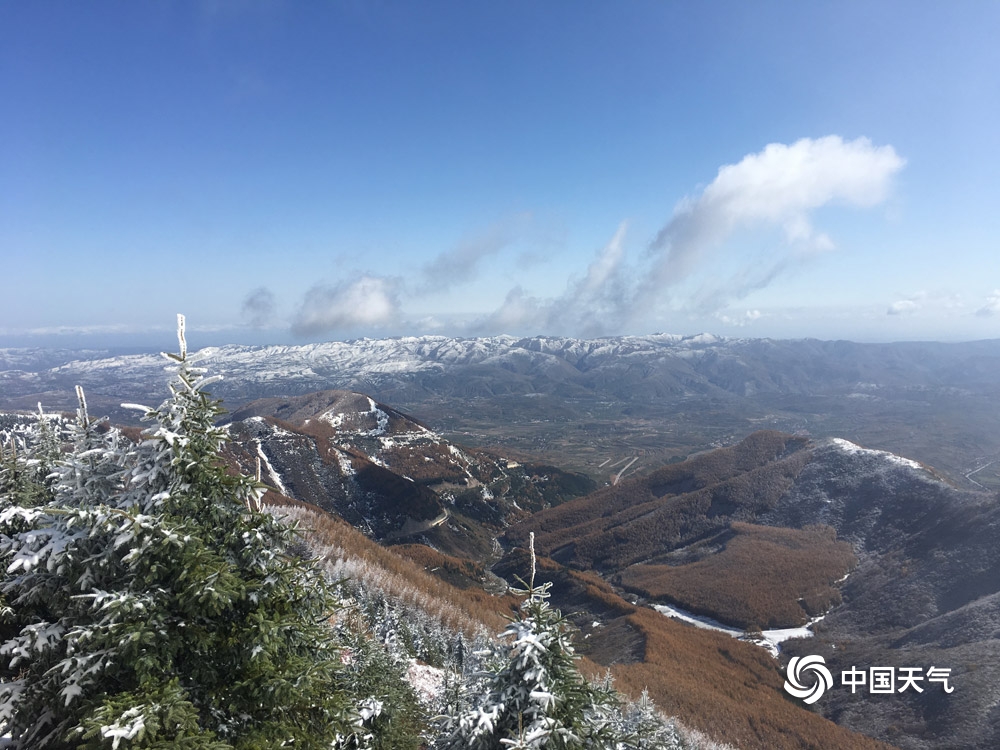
pixel 874 499
pixel 889 459
pixel 357 425
pixel 346 412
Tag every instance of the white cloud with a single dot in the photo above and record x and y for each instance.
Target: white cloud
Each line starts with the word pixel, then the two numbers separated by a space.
pixel 463 262
pixel 258 307
pixel 745 319
pixel 370 301
pixel 778 187
pixel 992 306
pixel 906 306
pixel 939 303
pixel 519 311
pixel 591 305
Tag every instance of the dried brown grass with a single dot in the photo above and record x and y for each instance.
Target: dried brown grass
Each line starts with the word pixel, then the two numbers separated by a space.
pixel 763 577
pixel 726 688
pixel 348 553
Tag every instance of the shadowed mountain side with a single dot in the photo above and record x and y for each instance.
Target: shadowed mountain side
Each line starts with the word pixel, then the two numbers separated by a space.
pixel 388 475
pixel 925 594
pixel 366 495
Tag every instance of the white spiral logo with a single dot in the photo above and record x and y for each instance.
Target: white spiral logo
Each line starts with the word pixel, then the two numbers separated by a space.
pixel 822 682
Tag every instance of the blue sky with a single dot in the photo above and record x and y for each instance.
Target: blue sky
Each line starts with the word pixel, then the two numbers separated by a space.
pixel 290 172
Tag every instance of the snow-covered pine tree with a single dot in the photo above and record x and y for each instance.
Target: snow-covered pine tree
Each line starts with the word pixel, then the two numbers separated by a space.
pixel 534 697
pixel 27 460
pixel 28 454
pixel 388 715
pixel 156 606
pixel 644 728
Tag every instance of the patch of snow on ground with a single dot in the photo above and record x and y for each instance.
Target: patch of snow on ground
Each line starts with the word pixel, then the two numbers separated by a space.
pixel 334 420
pixel 427 681
pixel 344 461
pixel 848 447
pixel 464 460
pixel 275 477
pixel 280 431
pixel 769 639
pixel 381 416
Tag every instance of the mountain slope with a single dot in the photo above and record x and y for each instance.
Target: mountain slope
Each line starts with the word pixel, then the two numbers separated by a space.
pixel 926 593
pixel 639 519
pixel 765 532
pixel 388 475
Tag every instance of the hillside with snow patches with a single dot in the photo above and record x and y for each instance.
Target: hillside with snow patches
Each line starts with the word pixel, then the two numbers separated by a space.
pixel 922 585
pixel 388 475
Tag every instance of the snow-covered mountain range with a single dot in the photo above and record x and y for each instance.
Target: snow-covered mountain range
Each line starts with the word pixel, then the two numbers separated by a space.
pixel 660 395
pixel 690 364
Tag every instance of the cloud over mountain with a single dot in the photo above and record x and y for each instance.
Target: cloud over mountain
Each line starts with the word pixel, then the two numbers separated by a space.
pixel 367 301
pixel 992 306
pixel 258 307
pixel 463 263
pixel 907 305
pixel 775 192
pixel 592 305
pixel 779 187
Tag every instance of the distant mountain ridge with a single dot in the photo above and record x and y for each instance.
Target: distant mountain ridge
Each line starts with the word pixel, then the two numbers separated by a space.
pixel 696 363
pixel 662 395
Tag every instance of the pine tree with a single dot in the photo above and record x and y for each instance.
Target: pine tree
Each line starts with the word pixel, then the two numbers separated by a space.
pixel 154 604
pixel 645 729
pixel 388 715
pixel 27 462
pixel 534 696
